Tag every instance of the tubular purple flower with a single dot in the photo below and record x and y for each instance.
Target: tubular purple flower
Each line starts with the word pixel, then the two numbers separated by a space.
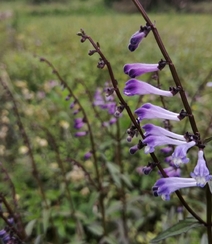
pixel 150 111
pixel 87 155
pixel 137 37
pixel 136 69
pixel 136 87
pixel 81 133
pixel 153 141
pixel 165 186
pixel 201 172
pixel 172 171
pixel 78 123
pixel 151 129
pixel 179 154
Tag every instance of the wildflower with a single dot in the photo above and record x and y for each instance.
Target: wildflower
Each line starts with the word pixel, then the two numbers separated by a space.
pixel 87 155
pixel 150 111
pixel 201 172
pixel 137 147
pixel 137 37
pixel 172 171
pixel 152 141
pixel 136 87
pixel 78 123
pixel 81 133
pixel 136 69
pixel 165 186
pixel 151 129
pixel 179 154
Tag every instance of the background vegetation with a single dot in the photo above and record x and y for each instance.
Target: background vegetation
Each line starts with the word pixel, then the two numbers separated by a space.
pixel 60 204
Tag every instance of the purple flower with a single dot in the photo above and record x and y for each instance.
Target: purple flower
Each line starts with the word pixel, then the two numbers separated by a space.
pixel 136 87
pixel 167 149
pixel 81 133
pixel 201 172
pixel 87 155
pixel 136 69
pixel 153 141
pixel 165 186
pixel 150 111
pixel 179 154
pixel 172 171
pixel 137 37
pixel 78 123
pixel 151 129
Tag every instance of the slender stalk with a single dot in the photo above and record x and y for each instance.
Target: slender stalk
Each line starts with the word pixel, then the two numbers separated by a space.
pixel 209 213
pixel 122 190
pixel 98 176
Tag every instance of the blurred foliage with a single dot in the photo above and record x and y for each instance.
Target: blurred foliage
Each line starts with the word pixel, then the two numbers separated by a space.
pixel 27 34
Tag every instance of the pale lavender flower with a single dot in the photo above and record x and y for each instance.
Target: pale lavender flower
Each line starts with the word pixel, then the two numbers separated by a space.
pixel 78 123
pixel 81 133
pixel 201 172
pixel 172 171
pixel 165 186
pixel 151 129
pixel 137 69
pixel 153 141
pixel 136 87
pixel 166 150
pixel 137 37
pixel 150 111
pixel 179 154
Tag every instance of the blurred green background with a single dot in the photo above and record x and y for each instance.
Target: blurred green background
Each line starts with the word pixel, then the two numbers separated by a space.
pixel 33 29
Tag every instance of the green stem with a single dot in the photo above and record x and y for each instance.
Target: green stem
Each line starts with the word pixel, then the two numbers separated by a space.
pixel 209 212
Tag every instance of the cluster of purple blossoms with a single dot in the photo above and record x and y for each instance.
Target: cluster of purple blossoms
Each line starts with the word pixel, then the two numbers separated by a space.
pixel 157 136
pixel 7 236
pixel 79 123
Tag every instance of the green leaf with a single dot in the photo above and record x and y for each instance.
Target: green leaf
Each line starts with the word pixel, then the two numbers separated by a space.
pixel 30 227
pixel 96 229
pixel 210 185
pixel 39 239
pixel 181 227
pixel 207 140
pixel 126 180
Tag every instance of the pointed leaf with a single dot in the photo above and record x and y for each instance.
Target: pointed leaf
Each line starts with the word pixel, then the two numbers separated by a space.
pixel 207 140
pixel 29 227
pixel 181 227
